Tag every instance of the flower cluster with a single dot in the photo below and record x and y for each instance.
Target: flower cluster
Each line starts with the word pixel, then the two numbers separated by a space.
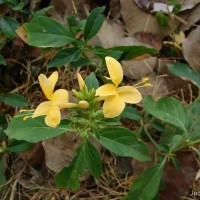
pixel 113 96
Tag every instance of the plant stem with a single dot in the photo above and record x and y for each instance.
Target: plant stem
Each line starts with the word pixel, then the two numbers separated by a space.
pixel 150 138
pixel 187 145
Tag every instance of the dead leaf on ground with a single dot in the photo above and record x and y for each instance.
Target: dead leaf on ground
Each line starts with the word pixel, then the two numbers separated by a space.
pixel 65 8
pixel 138 21
pixel 59 151
pixel 21 32
pixel 190 17
pixel 138 69
pixel 188 4
pixel 191 49
pixel 35 155
pixel 159 87
pixel 149 39
pixel 27 176
pixel 109 34
pixel 177 181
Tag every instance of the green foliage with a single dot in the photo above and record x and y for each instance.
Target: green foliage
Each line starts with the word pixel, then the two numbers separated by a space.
pixel 2 175
pixel 42 12
pixel 147 184
pixel 91 82
pixel 193 112
pixel 162 19
pixel 65 56
pixel 123 142
pixel 131 113
pixel 124 52
pixel 8 26
pixel 34 129
pixel 184 71
pixel 167 109
pixel 68 176
pixel 87 157
pixel 15 5
pixel 2 60
pixel 41 34
pixel 18 146
pixel 94 23
pixel 15 100
pixel 3 125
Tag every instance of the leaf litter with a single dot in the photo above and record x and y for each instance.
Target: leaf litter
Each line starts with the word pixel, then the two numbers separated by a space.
pixel 123 28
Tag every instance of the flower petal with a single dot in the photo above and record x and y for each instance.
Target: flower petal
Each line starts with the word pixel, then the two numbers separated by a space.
pixel 60 98
pixel 48 84
pixel 129 94
pixel 115 70
pixel 53 117
pixel 113 106
pixel 106 90
pixel 81 82
pixel 42 109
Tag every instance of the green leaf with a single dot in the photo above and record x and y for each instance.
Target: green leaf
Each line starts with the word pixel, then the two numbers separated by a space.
pixel 162 19
pixel 177 140
pixel 2 175
pixel 123 142
pixel 34 129
pixel 94 23
pixel 46 32
pixel 65 56
pixel 176 163
pixel 68 177
pixel 184 71
pixel 167 109
pixel 3 125
pixel 8 26
pixel 93 159
pixel 131 113
pixel 177 8
pixel 18 146
pixel 82 62
pixel 15 100
pixel 193 113
pixel 2 60
pixel 43 11
pixel 91 82
pixel 127 52
pixel 146 186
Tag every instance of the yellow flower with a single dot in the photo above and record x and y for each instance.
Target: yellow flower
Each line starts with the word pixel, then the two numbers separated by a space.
pixel 179 38
pixel 115 97
pixel 57 100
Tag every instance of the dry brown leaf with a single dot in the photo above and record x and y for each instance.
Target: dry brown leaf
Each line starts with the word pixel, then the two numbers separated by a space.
pixel 191 49
pixel 65 8
pixel 22 34
pixel 159 87
pixel 109 35
pixel 26 175
pixel 149 39
pixel 188 4
pixel 190 17
pixel 138 21
pixel 137 69
pixel 35 155
pixel 59 151
pixel 178 182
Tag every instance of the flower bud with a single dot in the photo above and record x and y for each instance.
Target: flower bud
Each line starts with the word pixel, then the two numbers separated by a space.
pixel 83 104
pixel 145 79
pixel 147 85
pixel 77 94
